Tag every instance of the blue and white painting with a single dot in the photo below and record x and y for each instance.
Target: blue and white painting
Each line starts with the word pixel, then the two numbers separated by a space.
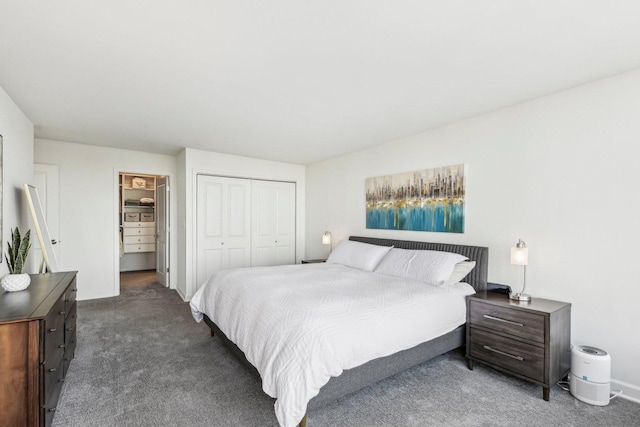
pixel 425 200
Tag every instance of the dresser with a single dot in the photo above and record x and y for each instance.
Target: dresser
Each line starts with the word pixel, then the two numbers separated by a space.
pixel 37 344
pixel 139 237
pixel 531 341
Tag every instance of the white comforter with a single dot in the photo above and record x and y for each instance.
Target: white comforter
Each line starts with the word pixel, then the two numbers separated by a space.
pixel 299 325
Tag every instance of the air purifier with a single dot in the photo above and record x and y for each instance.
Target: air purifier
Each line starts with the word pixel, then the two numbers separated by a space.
pixel 590 376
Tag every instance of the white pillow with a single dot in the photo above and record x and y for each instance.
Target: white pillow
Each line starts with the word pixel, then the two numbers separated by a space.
pixel 460 271
pixel 395 263
pixel 433 267
pixel 362 256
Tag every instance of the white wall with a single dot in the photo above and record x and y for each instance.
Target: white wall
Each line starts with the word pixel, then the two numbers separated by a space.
pixel 560 172
pixel 204 162
pixel 17 159
pixel 89 208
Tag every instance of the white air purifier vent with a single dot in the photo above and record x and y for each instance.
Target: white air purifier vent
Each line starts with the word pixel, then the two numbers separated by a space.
pixel 590 377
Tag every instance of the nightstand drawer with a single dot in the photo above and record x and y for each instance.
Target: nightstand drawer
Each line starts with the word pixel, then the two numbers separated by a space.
pixel 509 321
pixel 515 356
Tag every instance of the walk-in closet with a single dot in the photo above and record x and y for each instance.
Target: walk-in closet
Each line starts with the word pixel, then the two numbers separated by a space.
pixel 143 224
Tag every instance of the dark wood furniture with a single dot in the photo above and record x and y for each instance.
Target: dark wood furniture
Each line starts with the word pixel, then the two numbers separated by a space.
pixel 371 372
pixel 312 261
pixel 531 341
pixel 37 343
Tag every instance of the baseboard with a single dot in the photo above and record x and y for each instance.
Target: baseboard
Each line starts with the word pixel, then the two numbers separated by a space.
pixel 182 295
pixel 629 391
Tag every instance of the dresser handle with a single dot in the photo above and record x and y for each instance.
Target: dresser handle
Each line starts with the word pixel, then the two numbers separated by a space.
pixel 503 320
pixel 52 330
pixel 52 409
pixel 52 370
pixel 63 312
pixel 61 380
pixel 62 346
pixel 520 358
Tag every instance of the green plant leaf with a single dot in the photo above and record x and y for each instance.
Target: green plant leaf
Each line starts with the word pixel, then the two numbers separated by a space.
pixel 19 266
pixel 18 252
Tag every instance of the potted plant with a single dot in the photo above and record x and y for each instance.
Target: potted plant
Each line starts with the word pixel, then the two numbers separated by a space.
pixel 16 280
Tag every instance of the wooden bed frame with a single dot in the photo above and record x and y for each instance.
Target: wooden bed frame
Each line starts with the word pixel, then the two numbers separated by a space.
pixel 376 370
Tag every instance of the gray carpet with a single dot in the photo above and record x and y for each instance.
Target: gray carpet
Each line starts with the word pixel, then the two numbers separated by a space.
pixel 141 360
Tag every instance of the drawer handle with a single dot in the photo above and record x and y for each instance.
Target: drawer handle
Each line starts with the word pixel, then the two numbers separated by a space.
pixel 63 312
pixel 52 330
pixel 62 346
pixel 520 358
pixel 503 320
pixel 52 370
pixel 52 409
pixel 68 358
pixel 61 380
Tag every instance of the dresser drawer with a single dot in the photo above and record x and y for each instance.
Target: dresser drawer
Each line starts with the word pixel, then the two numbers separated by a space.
pixel 134 240
pixel 53 334
pixel 69 338
pixel 70 296
pixel 52 376
pixel 142 247
pixel 507 320
pixel 53 385
pixel 515 356
pixel 144 224
pixel 139 232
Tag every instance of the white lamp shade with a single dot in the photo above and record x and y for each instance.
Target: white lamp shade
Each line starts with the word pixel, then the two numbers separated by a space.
pixel 326 238
pixel 519 256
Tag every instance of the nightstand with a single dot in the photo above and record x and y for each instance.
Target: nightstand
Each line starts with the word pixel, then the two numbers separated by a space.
pixel 312 261
pixel 531 341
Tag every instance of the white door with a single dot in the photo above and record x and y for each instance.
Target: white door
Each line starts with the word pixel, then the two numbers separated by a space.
pixel 273 223
pixel 46 180
pixel 162 231
pixel 223 225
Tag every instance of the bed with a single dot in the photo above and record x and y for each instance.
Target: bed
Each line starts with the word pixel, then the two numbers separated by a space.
pixel 363 373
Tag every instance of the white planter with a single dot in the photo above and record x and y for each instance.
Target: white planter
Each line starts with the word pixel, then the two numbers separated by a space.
pixel 15 282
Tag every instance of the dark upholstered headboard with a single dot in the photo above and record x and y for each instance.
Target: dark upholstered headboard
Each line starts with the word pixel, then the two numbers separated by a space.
pixel 480 254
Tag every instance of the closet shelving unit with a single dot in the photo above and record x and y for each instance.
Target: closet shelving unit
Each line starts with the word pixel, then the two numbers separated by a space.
pixel 137 221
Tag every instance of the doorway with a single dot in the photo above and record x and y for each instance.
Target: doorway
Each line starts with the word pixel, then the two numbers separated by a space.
pixel 144 226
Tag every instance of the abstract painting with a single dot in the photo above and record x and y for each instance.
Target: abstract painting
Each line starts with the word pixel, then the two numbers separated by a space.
pixel 1 155
pixel 424 200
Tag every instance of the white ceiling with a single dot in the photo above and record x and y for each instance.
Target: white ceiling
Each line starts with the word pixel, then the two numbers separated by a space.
pixel 295 80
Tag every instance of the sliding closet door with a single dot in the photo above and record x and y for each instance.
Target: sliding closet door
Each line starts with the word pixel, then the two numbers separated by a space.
pixel 273 223
pixel 223 225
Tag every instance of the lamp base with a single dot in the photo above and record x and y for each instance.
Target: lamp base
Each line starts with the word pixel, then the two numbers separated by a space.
pixel 520 297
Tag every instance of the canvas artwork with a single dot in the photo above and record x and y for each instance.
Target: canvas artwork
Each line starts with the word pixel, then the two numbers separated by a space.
pixel 1 185
pixel 424 200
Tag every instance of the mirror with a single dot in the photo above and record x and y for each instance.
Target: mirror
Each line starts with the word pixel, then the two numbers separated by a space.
pixel 40 223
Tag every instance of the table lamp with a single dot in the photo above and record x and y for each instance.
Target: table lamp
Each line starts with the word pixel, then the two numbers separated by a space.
pixel 326 240
pixel 520 256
